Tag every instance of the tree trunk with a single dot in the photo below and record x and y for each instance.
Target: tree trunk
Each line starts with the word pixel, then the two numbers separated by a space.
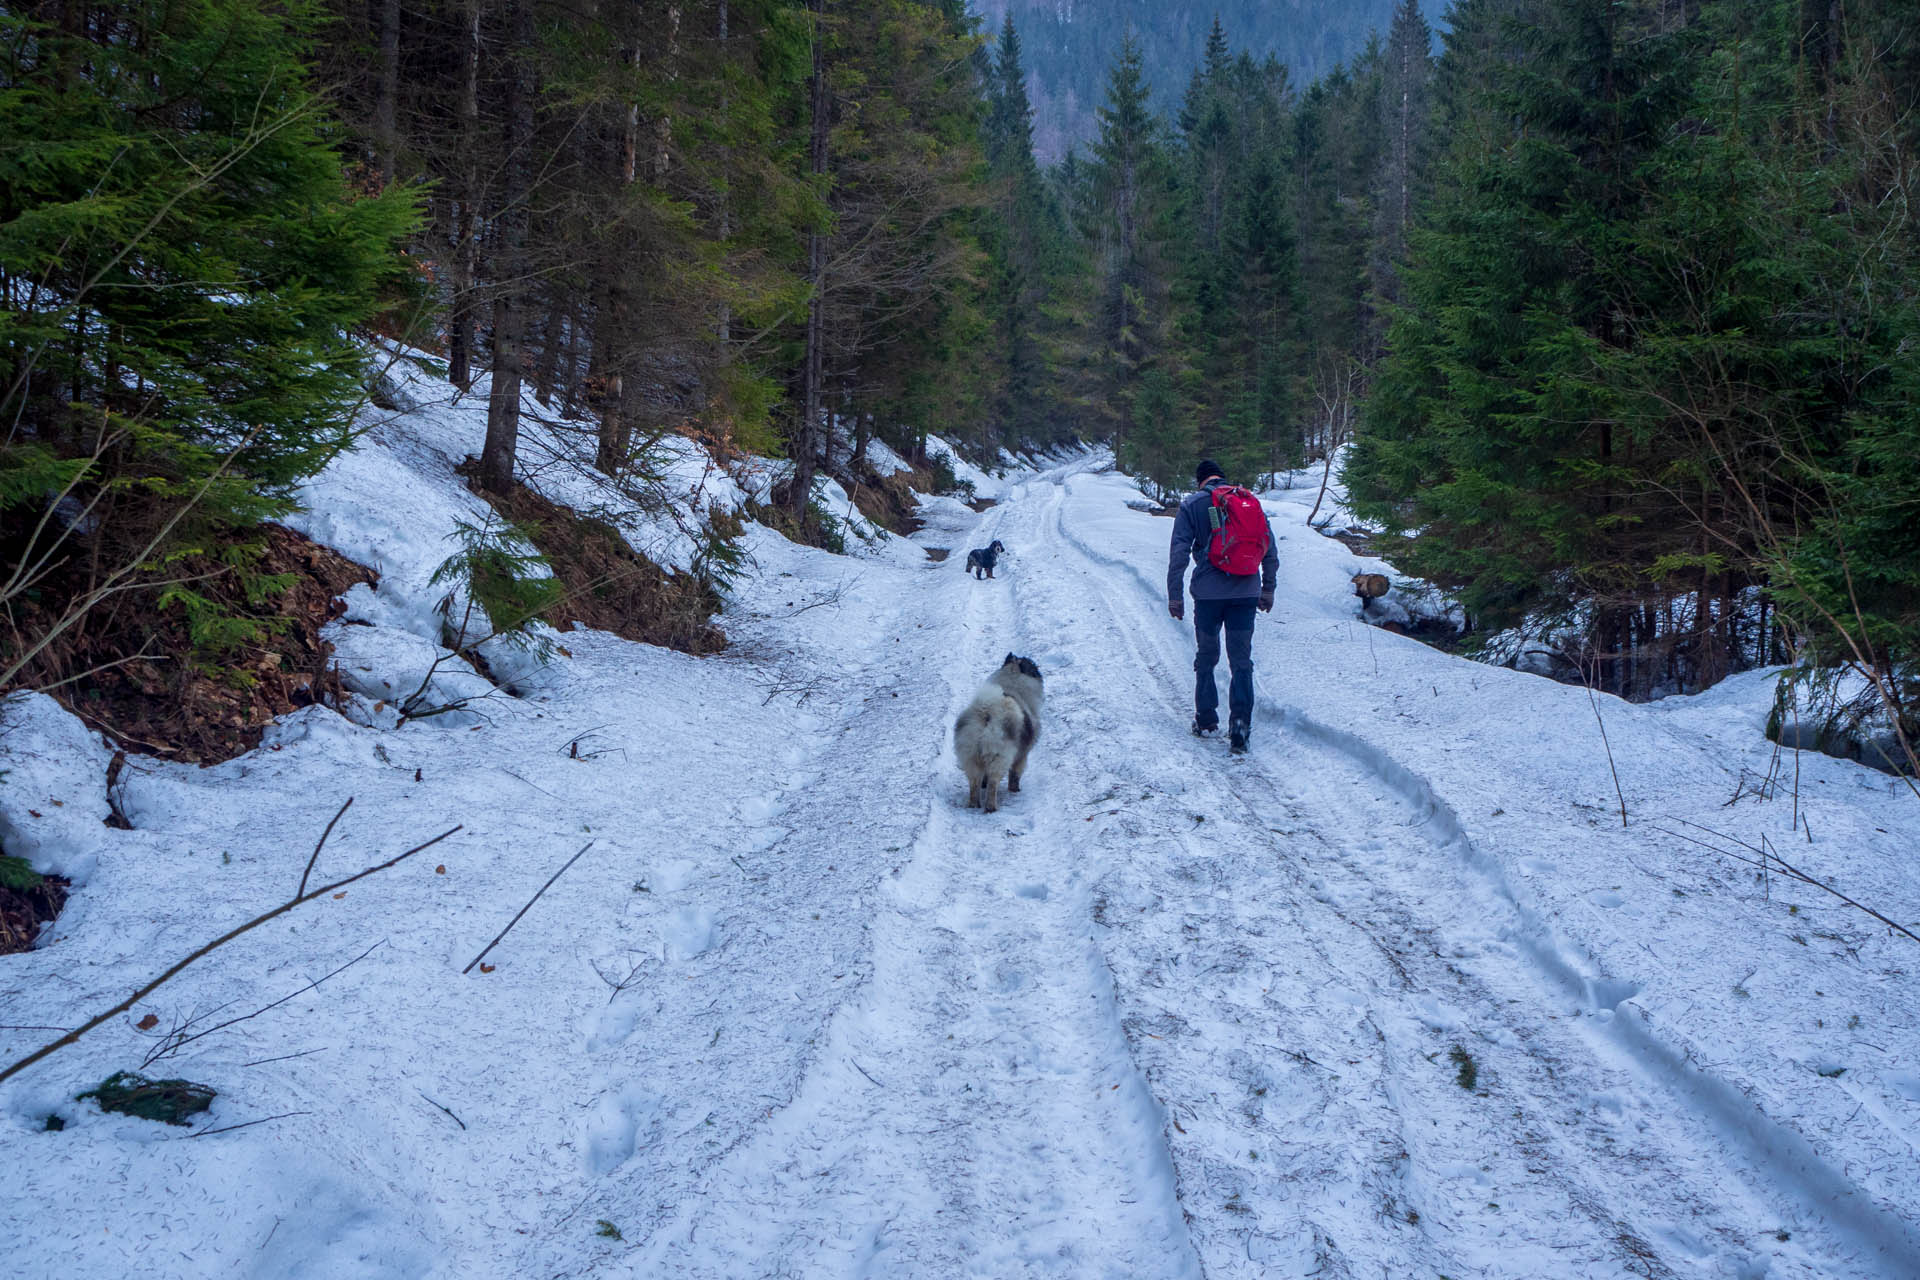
pixel 807 439
pixel 612 340
pixel 616 430
pixel 509 305
pixel 570 363
pixel 385 135
pixel 503 404
pixel 466 229
pixel 725 328
pixel 862 433
pixel 549 352
pixel 663 127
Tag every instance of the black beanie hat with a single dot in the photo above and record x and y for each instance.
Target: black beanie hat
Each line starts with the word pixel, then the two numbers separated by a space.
pixel 1206 471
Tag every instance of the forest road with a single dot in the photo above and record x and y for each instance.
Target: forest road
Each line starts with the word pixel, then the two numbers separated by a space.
pixel 1170 1013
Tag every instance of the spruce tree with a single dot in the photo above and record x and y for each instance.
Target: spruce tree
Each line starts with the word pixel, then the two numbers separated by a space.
pixel 1128 189
pixel 1483 428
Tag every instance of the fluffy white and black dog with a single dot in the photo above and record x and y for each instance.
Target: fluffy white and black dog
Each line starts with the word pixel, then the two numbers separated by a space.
pixel 993 735
pixel 980 560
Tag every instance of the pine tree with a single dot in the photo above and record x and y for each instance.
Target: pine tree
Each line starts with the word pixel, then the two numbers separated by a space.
pixel 1160 447
pixel 182 264
pixel 1023 243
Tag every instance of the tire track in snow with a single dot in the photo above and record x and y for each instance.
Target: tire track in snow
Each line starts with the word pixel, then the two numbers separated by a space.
pixel 973 1110
pixel 1670 1177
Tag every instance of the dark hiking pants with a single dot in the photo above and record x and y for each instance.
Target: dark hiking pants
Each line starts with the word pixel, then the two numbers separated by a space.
pixel 1236 616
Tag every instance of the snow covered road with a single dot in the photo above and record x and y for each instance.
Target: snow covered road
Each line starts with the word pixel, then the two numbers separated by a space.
pixel 1173 1014
pixel 1316 936
pixel 1393 995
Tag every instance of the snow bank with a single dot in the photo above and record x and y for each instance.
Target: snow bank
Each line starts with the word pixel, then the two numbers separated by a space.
pixel 985 484
pixel 53 787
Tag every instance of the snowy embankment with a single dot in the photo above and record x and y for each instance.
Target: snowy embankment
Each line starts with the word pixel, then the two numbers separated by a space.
pixel 797 1012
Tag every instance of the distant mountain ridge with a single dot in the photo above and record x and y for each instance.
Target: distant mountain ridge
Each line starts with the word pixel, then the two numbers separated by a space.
pixel 1068 45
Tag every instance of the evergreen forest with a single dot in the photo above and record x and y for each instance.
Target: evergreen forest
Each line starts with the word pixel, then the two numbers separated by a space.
pixel 1069 48
pixel 1607 308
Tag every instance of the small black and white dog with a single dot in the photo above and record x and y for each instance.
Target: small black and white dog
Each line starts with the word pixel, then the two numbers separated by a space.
pixel 980 560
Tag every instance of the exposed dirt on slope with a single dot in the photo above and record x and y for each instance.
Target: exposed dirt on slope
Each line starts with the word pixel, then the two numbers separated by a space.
pixel 610 586
pixel 130 670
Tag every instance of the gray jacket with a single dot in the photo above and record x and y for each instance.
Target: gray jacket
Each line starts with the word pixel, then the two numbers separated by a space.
pixel 1192 532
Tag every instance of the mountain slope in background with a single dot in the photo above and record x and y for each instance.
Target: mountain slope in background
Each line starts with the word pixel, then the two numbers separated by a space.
pixel 1068 46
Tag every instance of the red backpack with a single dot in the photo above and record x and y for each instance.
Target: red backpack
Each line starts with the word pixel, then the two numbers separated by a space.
pixel 1239 541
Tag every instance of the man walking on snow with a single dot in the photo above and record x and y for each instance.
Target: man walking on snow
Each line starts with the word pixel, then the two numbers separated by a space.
pixel 1221 535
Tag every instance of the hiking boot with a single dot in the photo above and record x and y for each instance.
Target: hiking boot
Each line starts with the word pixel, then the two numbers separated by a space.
pixel 1237 739
pixel 1204 730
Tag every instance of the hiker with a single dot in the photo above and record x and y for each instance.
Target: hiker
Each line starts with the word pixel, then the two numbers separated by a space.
pixel 1224 530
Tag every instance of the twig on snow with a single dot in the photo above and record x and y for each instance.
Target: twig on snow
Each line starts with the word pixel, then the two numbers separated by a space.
pixel 261 1062
pixel 869 1075
pixel 1770 859
pixel 1594 702
pixel 620 987
pixel 536 786
pixel 321 845
pixel 247 1124
pixel 831 596
pixel 801 689
pixel 572 745
pixel 530 901
pixel 178 1040
pixel 456 1119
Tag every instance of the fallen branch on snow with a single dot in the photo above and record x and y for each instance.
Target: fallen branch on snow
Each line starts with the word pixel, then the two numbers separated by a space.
pixel 179 1038
pixel 73 1036
pixel 1770 861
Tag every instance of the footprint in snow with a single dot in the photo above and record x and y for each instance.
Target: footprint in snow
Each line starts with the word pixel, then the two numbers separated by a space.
pixel 613 1131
